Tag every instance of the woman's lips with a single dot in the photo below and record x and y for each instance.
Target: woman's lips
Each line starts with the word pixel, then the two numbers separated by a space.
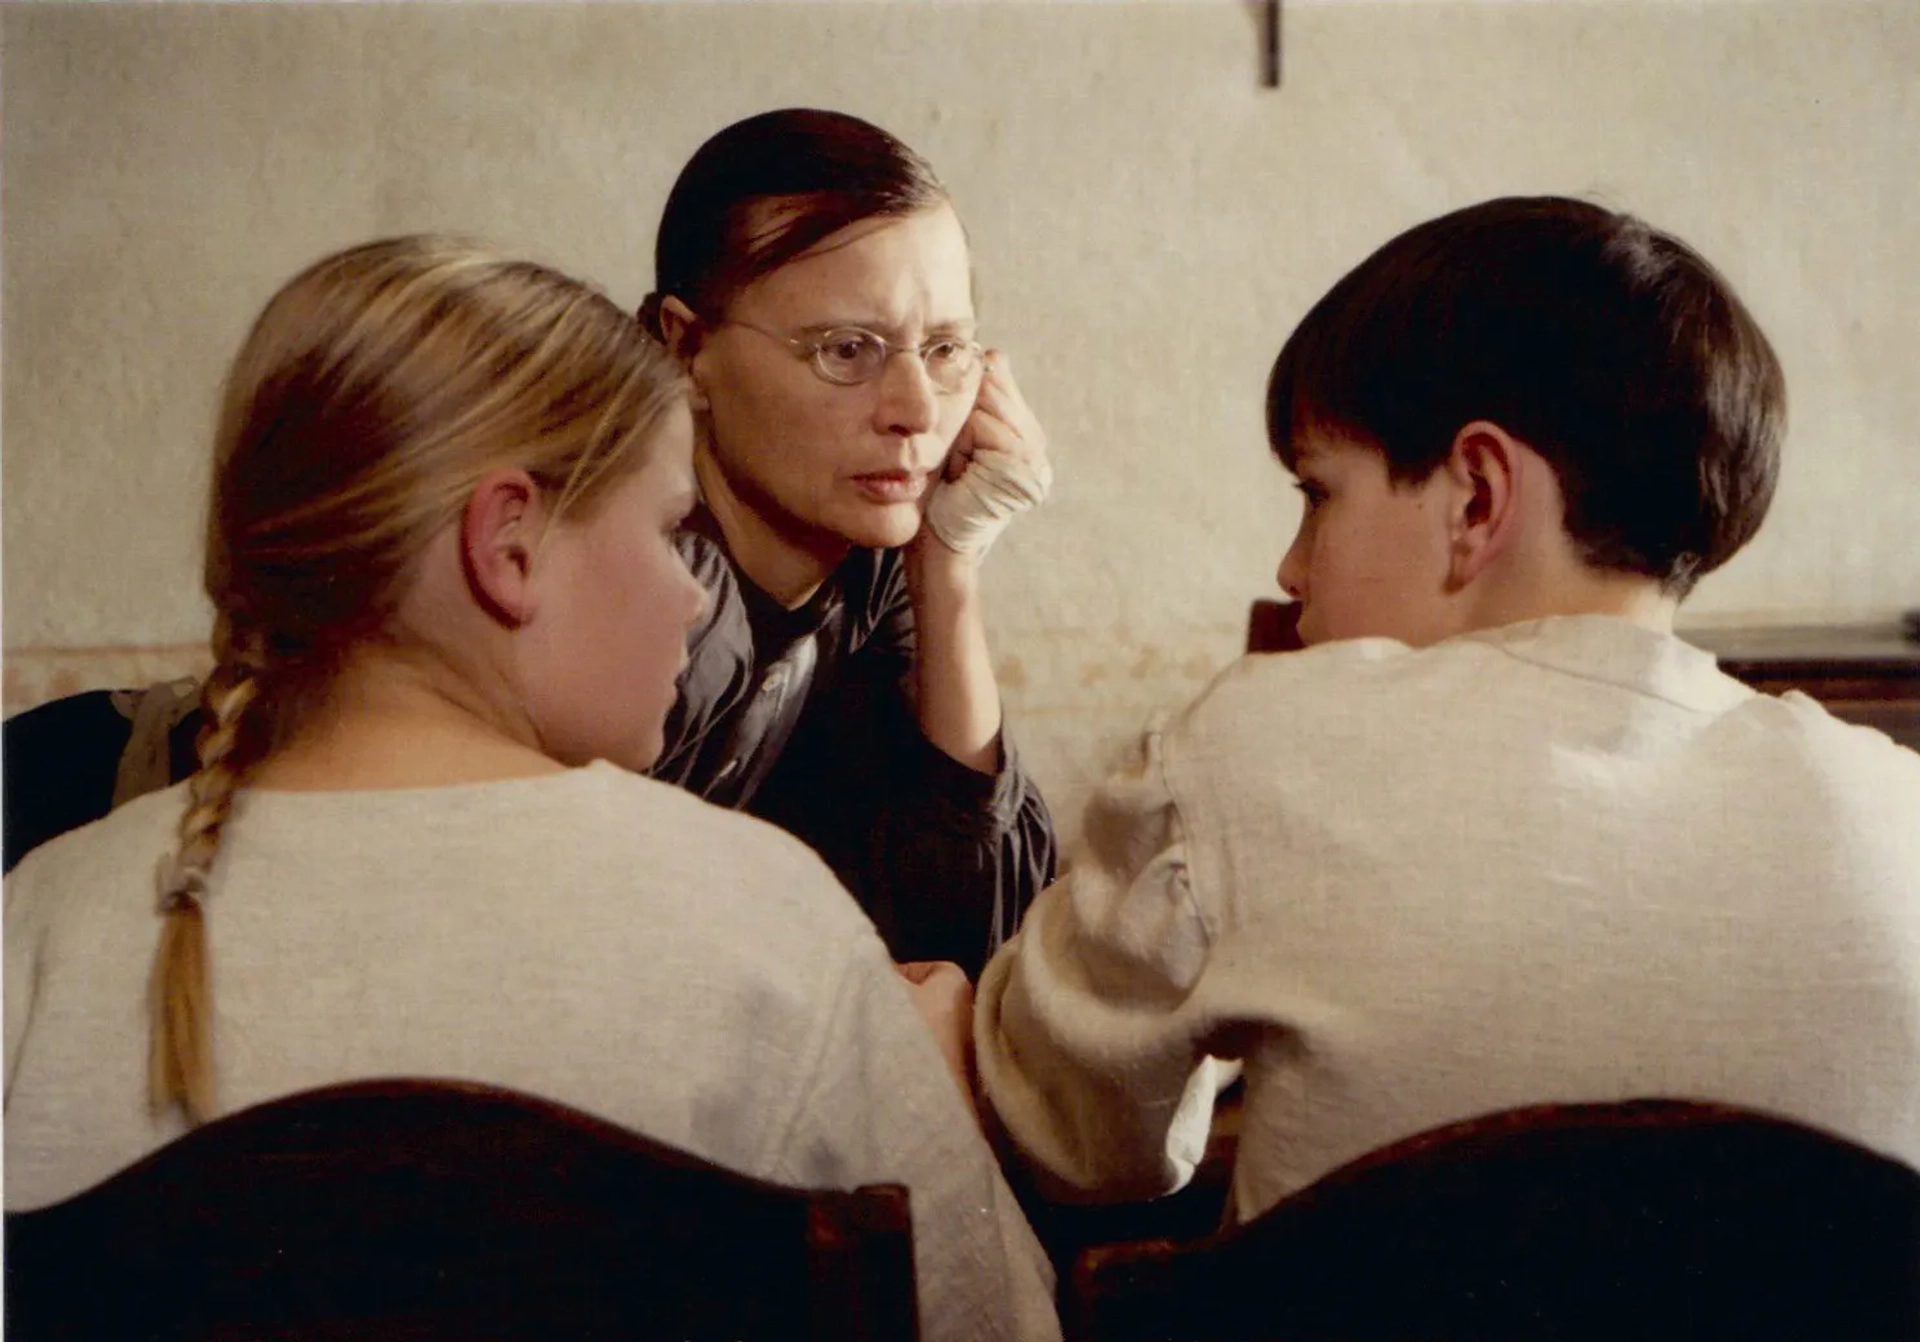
pixel 892 486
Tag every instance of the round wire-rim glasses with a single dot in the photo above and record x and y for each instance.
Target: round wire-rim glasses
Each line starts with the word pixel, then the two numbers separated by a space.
pixel 850 355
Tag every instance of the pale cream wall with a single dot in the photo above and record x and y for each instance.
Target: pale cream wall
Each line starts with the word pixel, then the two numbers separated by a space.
pixel 1149 222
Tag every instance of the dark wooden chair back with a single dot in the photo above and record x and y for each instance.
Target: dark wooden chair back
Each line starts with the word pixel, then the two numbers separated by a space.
pixel 412 1209
pixel 1632 1222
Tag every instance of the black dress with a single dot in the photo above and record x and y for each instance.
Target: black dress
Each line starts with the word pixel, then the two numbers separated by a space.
pixel 804 718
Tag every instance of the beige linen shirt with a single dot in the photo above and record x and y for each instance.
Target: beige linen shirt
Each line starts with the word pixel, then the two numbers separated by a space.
pixel 1559 861
pixel 605 940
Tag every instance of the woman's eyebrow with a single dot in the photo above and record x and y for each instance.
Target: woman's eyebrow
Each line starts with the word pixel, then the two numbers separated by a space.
pixel 892 330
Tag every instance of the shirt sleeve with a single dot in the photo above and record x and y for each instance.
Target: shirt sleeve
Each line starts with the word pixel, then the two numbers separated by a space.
pixel 1091 1049
pixel 22 938
pixel 880 1107
pixel 945 859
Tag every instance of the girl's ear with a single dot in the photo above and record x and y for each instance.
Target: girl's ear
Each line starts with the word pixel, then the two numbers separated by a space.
pixel 1483 465
pixel 682 331
pixel 499 531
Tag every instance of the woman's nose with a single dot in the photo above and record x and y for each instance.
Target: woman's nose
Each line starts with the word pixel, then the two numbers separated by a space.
pixel 909 402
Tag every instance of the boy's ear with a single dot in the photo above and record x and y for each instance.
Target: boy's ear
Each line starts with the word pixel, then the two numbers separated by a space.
pixel 499 531
pixel 681 330
pixel 1483 466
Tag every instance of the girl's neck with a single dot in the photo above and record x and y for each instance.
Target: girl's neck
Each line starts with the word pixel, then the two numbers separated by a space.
pixel 389 721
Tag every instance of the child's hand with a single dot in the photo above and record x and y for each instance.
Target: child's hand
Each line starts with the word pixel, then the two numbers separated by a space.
pixel 943 995
pixel 998 467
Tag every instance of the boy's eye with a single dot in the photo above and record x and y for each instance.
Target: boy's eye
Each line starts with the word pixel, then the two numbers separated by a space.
pixel 1313 492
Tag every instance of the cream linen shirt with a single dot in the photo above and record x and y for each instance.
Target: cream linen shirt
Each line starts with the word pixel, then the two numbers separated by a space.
pixel 607 941
pixel 1559 861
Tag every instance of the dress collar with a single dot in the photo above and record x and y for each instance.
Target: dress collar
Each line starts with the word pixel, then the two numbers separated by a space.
pixel 848 587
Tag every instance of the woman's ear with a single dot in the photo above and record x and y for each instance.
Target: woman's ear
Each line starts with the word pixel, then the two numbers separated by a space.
pixel 499 531
pixel 1483 467
pixel 681 330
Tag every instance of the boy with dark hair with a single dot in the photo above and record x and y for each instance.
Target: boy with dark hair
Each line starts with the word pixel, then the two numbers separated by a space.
pixel 1503 838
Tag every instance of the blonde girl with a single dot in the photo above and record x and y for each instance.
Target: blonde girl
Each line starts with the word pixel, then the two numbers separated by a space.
pixel 449 616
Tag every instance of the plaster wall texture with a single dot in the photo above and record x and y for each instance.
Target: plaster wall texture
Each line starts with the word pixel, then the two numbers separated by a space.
pixel 1148 220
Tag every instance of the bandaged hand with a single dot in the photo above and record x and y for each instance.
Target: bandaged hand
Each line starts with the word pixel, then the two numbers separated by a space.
pixel 997 470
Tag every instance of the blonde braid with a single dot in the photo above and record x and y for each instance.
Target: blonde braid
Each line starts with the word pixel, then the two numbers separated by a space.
pixel 374 391
pixel 181 1067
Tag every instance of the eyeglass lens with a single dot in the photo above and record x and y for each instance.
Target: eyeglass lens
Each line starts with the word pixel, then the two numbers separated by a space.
pixel 852 356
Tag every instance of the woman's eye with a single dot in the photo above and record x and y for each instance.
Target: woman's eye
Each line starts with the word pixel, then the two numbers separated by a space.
pixel 847 347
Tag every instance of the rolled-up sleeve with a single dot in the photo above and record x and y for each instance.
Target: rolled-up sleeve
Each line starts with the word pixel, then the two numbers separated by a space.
pixel 1091 1051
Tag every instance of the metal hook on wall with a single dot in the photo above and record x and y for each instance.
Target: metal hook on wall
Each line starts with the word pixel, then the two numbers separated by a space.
pixel 1270 44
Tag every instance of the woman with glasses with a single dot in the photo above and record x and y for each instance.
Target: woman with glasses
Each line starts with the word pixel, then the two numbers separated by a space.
pixel 857 453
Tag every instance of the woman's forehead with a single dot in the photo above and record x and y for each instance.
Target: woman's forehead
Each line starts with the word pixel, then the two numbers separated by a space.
pixel 880 271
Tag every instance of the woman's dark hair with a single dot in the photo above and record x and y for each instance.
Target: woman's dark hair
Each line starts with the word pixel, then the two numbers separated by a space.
pixel 764 190
pixel 1612 349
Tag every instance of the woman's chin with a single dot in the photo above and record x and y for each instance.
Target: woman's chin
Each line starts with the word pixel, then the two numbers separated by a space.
pixel 886 528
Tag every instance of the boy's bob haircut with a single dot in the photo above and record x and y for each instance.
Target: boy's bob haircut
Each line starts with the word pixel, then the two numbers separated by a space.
pixel 1612 349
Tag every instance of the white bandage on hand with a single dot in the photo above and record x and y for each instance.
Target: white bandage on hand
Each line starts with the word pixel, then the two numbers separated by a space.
pixel 968 514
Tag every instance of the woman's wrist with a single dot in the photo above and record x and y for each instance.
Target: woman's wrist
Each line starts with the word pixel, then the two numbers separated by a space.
pixel 933 569
pixel 957 701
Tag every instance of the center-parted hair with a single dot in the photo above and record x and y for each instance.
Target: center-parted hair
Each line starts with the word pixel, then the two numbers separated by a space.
pixel 765 190
pixel 372 394
pixel 1612 349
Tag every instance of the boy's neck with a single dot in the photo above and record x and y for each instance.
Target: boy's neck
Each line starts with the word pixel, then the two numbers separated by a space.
pixel 1576 590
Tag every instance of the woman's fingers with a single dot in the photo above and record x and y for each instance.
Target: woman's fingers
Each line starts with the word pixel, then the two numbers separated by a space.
pixel 1001 417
